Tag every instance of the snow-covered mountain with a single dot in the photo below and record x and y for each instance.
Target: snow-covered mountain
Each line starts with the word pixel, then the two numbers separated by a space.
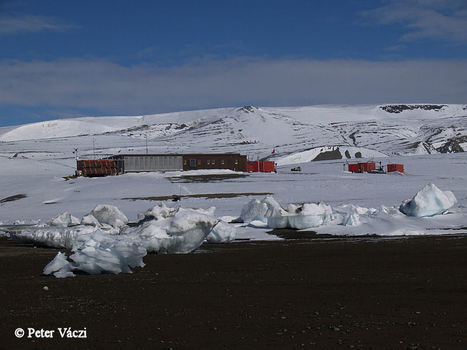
pixel 296 134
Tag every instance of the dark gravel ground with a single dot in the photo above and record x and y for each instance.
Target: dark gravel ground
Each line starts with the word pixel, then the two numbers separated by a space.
pixel 316 294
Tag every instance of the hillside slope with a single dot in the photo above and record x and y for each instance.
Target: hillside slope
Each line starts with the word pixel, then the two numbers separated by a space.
pixel 371 130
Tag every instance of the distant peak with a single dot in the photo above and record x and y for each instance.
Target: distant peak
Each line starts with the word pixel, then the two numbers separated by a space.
pixel 248 109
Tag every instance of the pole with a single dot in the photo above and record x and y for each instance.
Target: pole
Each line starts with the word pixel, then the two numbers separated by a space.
pixel 94 147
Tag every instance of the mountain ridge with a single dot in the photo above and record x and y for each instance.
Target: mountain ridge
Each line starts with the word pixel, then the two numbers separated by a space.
pixel 390 129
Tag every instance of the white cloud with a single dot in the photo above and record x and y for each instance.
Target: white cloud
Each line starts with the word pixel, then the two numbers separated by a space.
pixel 14 24
pixel 425 19
pixel 143 89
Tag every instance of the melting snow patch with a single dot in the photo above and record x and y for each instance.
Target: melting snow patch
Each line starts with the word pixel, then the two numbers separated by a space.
pixel 429 201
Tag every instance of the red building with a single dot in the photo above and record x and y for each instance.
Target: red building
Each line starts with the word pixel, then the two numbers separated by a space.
pixel 395 167
pixel 362 167
pixel 262 166
pixel 96 167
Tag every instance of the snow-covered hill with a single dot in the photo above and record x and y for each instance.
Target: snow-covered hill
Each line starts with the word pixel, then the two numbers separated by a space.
pixel 296 134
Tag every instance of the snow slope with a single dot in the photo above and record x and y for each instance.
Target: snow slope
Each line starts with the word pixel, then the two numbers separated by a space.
pixel 388 130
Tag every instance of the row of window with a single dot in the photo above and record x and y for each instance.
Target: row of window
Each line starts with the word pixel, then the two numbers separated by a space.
pixel 193 162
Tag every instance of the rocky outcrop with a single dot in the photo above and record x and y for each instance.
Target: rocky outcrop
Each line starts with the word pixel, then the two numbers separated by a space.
pixel 401 108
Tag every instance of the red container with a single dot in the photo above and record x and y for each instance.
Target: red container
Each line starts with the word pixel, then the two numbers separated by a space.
pixel 353 168
pixel 262 166
pixel 97 167
pixel 368 166
pixel 395 167
pixel 362 167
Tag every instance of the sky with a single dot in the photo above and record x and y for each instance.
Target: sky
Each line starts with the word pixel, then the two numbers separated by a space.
pixel 63 59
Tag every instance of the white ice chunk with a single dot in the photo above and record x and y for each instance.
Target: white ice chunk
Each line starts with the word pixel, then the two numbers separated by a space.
pixel 302 216
pixel 158 212
pixel 179 234
pixel 110 215
pixel 351 220
pixel 100 253
pixel 280 221
pixel 97 251
pixel 429 201
pixel 261 210
pixel 222 232
pixel 53 236
pixel 60 267
pixel 90 220
pixel 350 214
pixel 64 220
pixel 187 219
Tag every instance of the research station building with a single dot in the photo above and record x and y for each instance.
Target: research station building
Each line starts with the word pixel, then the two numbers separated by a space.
pixel 133 163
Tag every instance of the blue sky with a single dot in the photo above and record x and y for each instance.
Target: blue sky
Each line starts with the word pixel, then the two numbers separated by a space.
pixel 63 59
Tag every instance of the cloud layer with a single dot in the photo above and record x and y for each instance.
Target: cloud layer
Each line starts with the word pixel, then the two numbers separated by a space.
pixel 142 89
pixel 425 19
pixel 14 24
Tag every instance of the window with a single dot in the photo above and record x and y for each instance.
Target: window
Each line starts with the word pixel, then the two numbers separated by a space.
pixel 213 162
pixel 199 161
pixel 236 161
pixel 209 162
pixel 222 162
pixel 193 163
